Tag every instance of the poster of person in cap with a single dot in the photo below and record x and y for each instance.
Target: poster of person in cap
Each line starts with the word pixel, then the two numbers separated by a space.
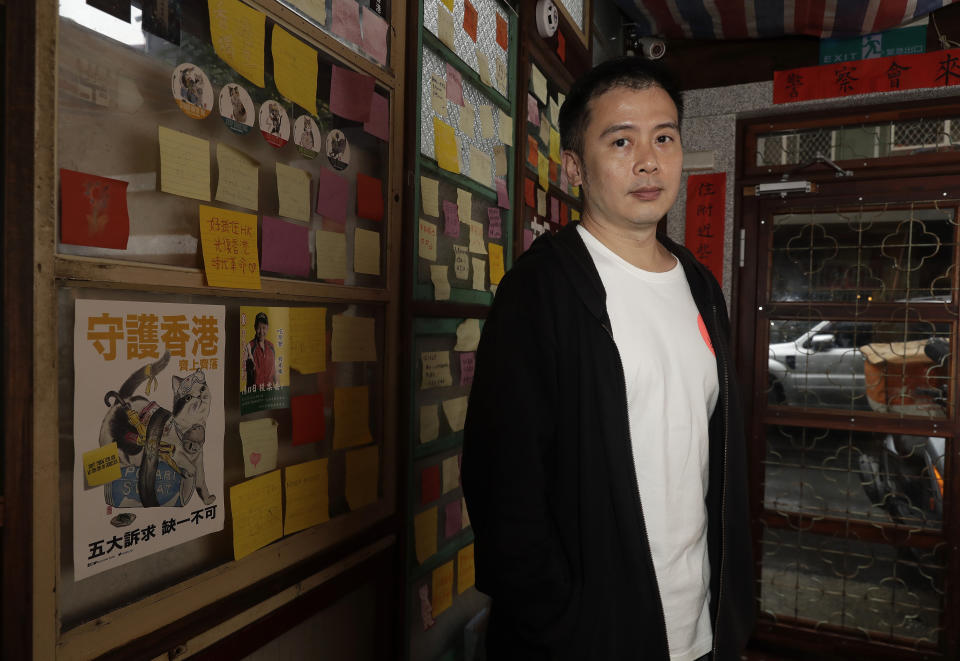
pixel 264 365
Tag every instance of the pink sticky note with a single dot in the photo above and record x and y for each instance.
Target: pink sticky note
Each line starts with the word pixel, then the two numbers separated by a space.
pixel 451 215
pixel 467 362
pixel 494 225
pixel 374 36
pixel 454 85
pixel 350 94
pixel 346 20
pixel 451 518
pixel 554 210
pixel 333 191
pixel 379 123
pixel 286 247
pixel 533 111
pixel 503 199
pixel 527 238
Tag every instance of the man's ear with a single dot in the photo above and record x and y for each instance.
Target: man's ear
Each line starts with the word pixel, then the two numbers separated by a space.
pixel 571 165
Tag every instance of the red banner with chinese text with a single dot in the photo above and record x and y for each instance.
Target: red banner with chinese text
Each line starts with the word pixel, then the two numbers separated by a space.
pixel 706 208
pixel 884 74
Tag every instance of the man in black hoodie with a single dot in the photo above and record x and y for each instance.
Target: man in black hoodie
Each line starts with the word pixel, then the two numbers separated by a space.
pixel 604 462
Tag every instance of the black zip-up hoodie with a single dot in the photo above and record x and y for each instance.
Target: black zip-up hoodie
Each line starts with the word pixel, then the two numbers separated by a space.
pixel 549 479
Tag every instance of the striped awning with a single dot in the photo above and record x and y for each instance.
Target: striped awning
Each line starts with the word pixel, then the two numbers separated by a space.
pixel 758 19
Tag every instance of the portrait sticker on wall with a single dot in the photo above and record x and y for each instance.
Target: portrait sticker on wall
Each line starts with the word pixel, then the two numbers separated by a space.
pixel 306 136
pixel 338 149
pixel 274 124
pixel 236 108
pixel 264 365
pixel 192 90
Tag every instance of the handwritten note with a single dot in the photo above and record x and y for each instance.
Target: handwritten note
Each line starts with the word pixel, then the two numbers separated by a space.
pixel 476 237
pixel 445 29
pixel 229 243
pixel 184 164
pixel 445 146
pixel 442 580
pixel 256 507
pixel 429 422
pixel 237 32
pixel 454 85
pixel 293 192
pixel 374 36
pixel 101 465
pixel 427 242
pixel 307 501
pixel 294 69
pixel 479 273
pixel 480 170
pixel 461 262
pixel 496 263
pixel 465 569
pixel 286 247
pixel 503 198
pixel 308 352
pixel 425 534
pixel 438 94
pixel 351 92
pixel 505 128
pixel 366 252
pixel 451 219
pixel 468 122
pixel 331 255
pixel 430 196
pixel 351 417
pixel 346 20
pixel 258 440
pixel 239 178
pixel 436 370
pixel 539 83
pixel 468 335
pixel 500 64
pixel 353 339
pixel 494 223
pixel 455 411
pixel 362 477
pixel 464 206
pixel 467 365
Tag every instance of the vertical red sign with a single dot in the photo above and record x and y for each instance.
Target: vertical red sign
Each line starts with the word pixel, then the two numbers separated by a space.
pixel 706 207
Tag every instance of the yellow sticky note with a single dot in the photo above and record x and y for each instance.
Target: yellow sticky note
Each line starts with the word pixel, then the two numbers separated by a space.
pixel 427 241
pixel 554 145
pixel 480 167
pixel 295 69
pixel 353 339
pixel 184 164
pixel 574 214
pixel 229 241
pixel 505 128
pixel 315 9
pixel 331 255
pixel 496 262
pixel 445 146
pixel 436 370
pixel 468 122
pixel 543 171
pixel 438 94
pixel 258 440
pixel 448 4
pixel 483 66
pixel 445 28
pixel 256 507
pixel 308 352
pixel 485 115
pixel 429 422
pixel 468 335
pixel 307 502
pixel 239 179
pixel 442 588
pixel 455 411
pixel 539 83
pixel 237 32
pixel 441 281
pixel 101 465
pixel 293 192
pixel 465 571
pixel 575 191
pixel 366 252
pixel 425 534
pixel 430 196
pixel 464 205
pixel 351 417
pixel 362 477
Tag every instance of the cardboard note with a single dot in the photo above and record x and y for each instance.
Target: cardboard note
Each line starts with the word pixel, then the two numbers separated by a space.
pixel 494 223
pixel 539 83
pixel 307 501
pixel 429 484
pixel 455 411
pixel 441 283
pixel 461 262
pixel 430 196
pixel 229 243
pixel 425 534
pixel 314 9
pixel 480 170
pixel 468 361
pixel 442 580
pixel 468 335
pixel 258 441
pixel 333 191
pixel 468 122
pixel 256 508
pixel 306 412
pixel 438 94
pixel 93 210
pixel 445 146
pixel 543 171
pixel 427 242
pixel 445 29
pixel 464 206
pixel 470 17
pixel 293 192
pixel 331 255
pixel 354 339
pixel 465 570
pixel 451 519
pixel 479 273
pixel 184 164
pixel 454 85
pixel 351 93
pixel 429 422
pixel 374 36
pixel 476 237
pixel 496 263
pixel 308 353
pixel 483 67
pixel 499 161
pixel 346 20
pixel 239 178
pixel 451 218
pixel 369 198
pixel 237 32
pixel 101 465
pixel 362 477
pixel 500 75
pixel 286 247
pixel 554 145
pixel 436 370
pixel 294 69
pixel 503 198
pixel 485 117
pixel 351 417
pixel 366 252
pixel 505 128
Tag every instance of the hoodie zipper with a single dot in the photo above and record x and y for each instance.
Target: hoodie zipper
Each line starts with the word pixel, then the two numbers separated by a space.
pixel 723 495
pixel 636 487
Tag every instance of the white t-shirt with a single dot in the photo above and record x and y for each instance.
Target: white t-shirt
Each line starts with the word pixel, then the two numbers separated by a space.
pixel 672 389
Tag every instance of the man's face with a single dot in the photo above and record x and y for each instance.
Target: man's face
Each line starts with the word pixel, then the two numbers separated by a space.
pixel 261 330
pixel 632 158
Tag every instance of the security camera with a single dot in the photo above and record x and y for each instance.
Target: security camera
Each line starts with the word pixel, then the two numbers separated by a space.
pixel 652 49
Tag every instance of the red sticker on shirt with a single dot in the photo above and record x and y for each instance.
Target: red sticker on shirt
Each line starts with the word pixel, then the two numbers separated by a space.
pixel 704 334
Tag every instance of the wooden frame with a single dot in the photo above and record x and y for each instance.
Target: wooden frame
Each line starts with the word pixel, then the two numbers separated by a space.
pixel 269 578
pixel 584 34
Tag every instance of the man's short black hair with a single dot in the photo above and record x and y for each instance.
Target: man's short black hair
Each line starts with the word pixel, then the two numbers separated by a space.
pixel 632 72
pixel 261 318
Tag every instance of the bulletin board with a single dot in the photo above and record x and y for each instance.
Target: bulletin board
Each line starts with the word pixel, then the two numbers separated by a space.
pixel 217 243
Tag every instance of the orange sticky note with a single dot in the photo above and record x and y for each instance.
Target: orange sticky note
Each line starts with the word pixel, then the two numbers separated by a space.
pixel 369 197
pixel 561 47
pixel 533 152
pixel 503 32
pixel 229 241
pixel 529 193
pixel 470 19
